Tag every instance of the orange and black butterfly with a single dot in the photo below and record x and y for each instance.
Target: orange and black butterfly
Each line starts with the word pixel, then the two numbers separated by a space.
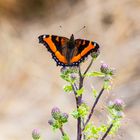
pixel 68 52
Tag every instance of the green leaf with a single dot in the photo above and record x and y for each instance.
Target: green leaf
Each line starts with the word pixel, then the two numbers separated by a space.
pixel 95 74
pixel 79 92
pixel 75 114
pixel 91 131
pixel 65 77
pixel 68 88
pixel 83 110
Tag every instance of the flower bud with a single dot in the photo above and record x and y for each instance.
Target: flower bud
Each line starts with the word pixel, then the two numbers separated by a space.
pixel 56 113
pixel 95 54
pixel 104 68
pixel 73 76
pixel 36 134
pixel 118 104
pixel 63 69
pixel 64 117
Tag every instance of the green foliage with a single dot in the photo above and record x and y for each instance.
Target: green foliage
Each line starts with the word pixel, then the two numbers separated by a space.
pixel 95 74
pixel 82 111
pixel 65 137
pixel 67 75
pixel 79 92
pixel 107 85
pixel 91 131
pixel 75 114
pixel 68 88
pixel 56 124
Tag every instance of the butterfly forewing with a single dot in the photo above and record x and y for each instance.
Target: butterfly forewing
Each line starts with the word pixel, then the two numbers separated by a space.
pixel 57 46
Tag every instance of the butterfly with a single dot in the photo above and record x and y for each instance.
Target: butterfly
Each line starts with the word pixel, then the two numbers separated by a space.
pixel 68 52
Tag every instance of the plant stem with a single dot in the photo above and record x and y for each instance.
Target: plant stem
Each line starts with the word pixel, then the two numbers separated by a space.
pixel 90 64
pixel 62 131
pixel 74 90
pixel 93 107
pixel 107 132
pixel 79 98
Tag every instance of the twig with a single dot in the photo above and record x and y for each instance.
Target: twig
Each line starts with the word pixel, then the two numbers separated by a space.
pixel 93 107
pixel 79 129
pixel 74 90
pixel 107 132
pixel 62 131
pixel 88 66
pixel 80 74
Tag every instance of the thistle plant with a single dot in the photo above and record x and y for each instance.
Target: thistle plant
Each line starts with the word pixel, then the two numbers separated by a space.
pixel 83 113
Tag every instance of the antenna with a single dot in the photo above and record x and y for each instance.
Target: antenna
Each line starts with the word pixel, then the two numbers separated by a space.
pixel 62 29
pixel 80 29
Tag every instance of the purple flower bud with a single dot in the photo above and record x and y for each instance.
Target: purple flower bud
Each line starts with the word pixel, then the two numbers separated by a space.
pixel 73 76
pixel 64 117
pixel 36 134
pixel 63 69
pixel 104 68
pixel 118 104
pixel 56 113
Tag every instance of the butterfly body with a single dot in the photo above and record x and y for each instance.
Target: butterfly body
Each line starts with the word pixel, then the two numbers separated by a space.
pixel 68 52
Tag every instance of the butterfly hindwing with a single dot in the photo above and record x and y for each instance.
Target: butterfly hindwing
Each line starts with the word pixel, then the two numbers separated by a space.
pixel 56 45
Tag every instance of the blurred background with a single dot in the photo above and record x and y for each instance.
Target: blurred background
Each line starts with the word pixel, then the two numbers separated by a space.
pixel 29 79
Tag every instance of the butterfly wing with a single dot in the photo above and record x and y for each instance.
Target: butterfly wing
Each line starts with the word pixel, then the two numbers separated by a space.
pixel 57 46
pixel 82 49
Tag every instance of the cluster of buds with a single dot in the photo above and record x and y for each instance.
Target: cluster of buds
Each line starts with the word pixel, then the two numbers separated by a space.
pixel 58 118
pixel 106 70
